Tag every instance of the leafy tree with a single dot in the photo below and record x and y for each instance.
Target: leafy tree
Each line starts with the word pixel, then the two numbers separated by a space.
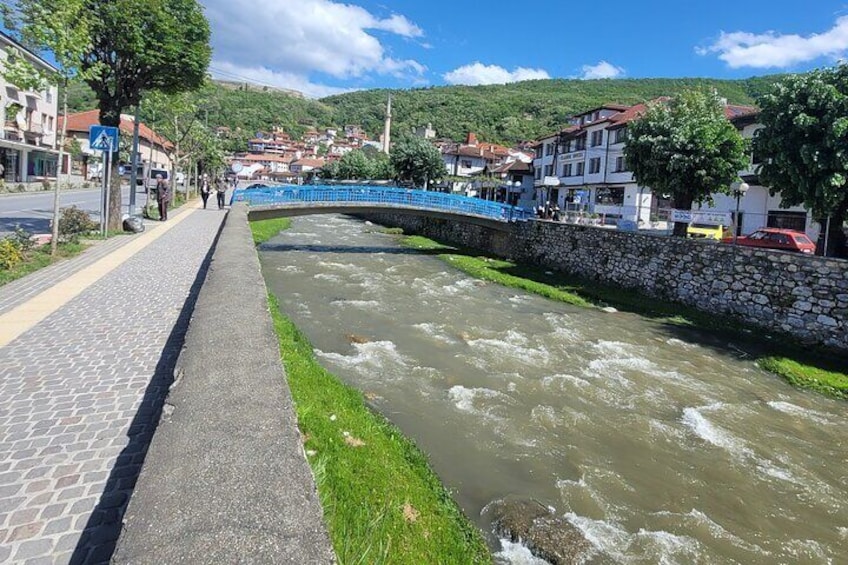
pixel 330 170
pixel 129 47
pixel 61 27
pixel 416 160
pixel 803 146
pixel 685 147
pixel 354 165
pixel 381 165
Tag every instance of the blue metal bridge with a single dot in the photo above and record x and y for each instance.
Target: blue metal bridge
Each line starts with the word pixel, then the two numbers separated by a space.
pixel 295 200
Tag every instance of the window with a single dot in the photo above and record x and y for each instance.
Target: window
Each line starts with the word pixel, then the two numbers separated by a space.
pixel 539 152
pixel 566 171
pixel 594 165
pixel 549 170
pixel 538 174
pixel 597 138
pixel 610 196
pixel 549 149
pixel 620 135
pixel 620 165
pixel 48 95
pixel 580 144
pixel 579 169
pixel 465 163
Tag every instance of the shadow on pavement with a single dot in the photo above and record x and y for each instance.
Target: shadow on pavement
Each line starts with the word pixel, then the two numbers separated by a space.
pixel 100 536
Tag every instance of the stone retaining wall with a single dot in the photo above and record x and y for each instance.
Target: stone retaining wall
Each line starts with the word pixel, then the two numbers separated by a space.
pixel 801 295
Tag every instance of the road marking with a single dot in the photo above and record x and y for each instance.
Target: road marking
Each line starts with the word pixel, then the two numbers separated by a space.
pixel 30 313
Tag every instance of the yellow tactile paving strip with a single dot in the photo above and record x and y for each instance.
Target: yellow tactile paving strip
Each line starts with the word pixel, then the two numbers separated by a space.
pixel 27 315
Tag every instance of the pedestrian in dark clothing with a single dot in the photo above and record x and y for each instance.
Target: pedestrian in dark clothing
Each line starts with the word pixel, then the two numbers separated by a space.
pixel 163 197
pixel 205 189
pixel 220 192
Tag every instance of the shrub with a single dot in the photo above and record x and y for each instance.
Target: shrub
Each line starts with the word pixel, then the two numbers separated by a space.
pixel 73 222
pixel 23 239
pixel 45 185
pixel 10 253
pixel 20 187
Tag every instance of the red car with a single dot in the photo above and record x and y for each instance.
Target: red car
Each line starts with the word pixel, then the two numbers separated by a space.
pixel 776 238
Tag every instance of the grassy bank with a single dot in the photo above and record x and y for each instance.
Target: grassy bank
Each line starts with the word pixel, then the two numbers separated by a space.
pixel 263 230
pixel 38 259
pixel 382 502
pixel 803 368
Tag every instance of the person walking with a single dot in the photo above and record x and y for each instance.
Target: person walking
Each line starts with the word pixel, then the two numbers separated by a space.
pixel 220 192
pixel 163 197
pixel 205 189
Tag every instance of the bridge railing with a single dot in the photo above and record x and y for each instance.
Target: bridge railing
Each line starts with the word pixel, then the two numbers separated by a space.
pixel 382 197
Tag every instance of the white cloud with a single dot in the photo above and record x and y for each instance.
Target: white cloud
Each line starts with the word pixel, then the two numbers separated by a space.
pixel 743 49
pixel 293 41
pixel 601 70
pixel 478 73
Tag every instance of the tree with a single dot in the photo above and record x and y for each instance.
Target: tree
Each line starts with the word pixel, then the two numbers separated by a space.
pixel 355 165
pixel 687 148
pixel 803 150
pixel 61 27
pixel 129 47
pixel 416 160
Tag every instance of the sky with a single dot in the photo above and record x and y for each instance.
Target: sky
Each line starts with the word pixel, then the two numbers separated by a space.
pixel 325 47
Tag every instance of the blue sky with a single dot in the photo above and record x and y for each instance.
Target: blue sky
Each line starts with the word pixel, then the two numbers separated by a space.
pixel 322 47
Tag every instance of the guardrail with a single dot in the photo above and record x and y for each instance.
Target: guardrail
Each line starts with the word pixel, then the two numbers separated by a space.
pixel 381 197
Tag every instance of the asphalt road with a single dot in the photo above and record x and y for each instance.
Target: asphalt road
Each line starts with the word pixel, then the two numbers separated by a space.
pixel 32 211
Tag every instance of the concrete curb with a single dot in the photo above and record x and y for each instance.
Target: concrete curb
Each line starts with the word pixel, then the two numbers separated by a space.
pixel 225 479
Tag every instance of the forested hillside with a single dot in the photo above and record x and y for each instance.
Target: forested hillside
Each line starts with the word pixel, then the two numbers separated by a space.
pixel 501 113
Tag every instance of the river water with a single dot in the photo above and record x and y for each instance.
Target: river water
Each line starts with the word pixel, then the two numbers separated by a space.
pixel 659 444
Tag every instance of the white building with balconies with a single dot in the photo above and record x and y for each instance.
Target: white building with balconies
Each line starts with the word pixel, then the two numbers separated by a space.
pixel 28 142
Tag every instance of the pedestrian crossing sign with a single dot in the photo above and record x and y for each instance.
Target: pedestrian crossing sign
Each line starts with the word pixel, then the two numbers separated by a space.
pixel 103 138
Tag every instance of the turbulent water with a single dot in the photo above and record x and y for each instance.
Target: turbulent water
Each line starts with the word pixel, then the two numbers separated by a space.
pixel 658 444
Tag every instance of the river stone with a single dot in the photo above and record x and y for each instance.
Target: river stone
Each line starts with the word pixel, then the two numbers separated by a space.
pixel 609 310
pixel 546 535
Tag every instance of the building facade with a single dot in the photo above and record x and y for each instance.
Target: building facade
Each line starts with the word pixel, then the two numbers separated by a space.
pixel 28 142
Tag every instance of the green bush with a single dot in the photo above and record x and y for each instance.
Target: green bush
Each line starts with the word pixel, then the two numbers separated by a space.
pixel 73 222
pixel 11 254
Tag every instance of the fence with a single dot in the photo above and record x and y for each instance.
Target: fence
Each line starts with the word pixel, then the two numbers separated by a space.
pixel 381 197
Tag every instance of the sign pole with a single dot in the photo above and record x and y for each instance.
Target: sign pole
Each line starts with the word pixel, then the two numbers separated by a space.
pixel 106 185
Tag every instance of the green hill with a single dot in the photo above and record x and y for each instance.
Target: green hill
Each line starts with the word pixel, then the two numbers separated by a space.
pixel 500 113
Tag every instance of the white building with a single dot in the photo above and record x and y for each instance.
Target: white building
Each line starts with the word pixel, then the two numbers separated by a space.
pixel 28 142
pixel 582 167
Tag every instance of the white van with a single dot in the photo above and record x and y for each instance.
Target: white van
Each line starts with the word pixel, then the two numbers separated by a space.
pixel 150 177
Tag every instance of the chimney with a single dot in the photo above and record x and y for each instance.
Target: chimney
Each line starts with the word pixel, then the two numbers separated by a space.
pixel 472 139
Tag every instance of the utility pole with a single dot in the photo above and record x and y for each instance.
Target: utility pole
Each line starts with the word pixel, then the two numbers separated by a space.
pixel 134 164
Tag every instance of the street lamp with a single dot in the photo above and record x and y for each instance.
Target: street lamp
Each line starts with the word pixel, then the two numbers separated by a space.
pixel 739 190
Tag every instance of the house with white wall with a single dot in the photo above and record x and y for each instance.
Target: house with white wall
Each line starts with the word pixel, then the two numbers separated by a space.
pixel 583 167
pixel 28 141
pixel 154 151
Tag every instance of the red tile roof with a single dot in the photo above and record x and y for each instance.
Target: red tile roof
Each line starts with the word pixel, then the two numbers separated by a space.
pixel 82 121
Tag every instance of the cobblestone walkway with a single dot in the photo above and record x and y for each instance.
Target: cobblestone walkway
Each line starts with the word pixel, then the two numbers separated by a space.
pixel 80 395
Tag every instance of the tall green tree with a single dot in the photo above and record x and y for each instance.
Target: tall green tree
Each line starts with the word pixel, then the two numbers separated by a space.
pixel 137 46
pixel 355 165
pixel 416 160
pixel 62 28
pixel 803 147
pixel 687 148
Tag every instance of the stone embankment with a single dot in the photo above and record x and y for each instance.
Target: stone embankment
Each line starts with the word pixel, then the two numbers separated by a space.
pixel 804 296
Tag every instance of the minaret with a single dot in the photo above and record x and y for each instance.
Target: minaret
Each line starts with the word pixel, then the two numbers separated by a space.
pixel 388 127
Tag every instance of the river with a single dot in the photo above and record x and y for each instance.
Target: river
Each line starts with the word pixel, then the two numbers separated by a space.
pixel 661 445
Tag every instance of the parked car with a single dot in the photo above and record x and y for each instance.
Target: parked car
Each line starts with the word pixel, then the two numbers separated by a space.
pixel 776 238
pixel 707 231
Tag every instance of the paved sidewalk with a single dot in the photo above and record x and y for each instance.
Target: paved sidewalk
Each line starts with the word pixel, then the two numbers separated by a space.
pixel 81 391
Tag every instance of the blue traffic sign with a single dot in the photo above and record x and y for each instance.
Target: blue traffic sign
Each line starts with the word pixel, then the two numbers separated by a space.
pixel 103 138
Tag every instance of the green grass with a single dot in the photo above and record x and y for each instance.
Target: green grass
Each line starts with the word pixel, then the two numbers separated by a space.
pixel 829 382
pixel 822 371
pixel 38 259
pixel 263 230
pixel 382 502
